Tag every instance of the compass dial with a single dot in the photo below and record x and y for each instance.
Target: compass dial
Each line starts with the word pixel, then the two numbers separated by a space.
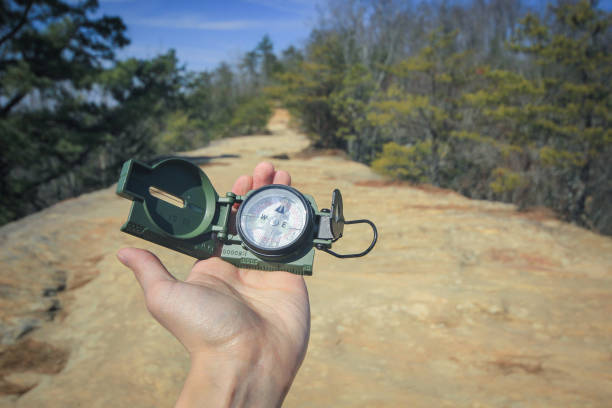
pixel 273 219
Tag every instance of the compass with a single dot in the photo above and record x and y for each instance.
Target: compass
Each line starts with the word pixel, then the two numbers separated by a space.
pixel 274 220
pixel 276 226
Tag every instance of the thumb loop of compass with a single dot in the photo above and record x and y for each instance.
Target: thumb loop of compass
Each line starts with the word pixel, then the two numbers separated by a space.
pixel 360 254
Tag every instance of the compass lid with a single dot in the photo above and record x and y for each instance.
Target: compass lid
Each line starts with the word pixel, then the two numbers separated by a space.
pixel 177 197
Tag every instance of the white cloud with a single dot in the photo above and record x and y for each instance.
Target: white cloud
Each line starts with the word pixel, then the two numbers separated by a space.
pixel 222 25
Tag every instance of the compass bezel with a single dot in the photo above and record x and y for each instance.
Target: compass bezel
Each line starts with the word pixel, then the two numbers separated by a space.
pixel 286 250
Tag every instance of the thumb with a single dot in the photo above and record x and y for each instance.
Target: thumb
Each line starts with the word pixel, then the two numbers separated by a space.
pixel 147 268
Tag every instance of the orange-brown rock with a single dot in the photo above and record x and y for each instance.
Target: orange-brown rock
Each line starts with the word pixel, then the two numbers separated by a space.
pixel 463 303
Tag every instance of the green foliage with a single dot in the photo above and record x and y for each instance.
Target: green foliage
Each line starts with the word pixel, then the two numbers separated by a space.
pixel 51 54
pixel 269 62
pixel 223 103
pixel 560 114
pixel 467 96
pixel 423 94
pixel 307 89
pixel 251 117
pixel 260 65
pixel 424 103
pixel 69 113
pixel 506 180
pixel 45 42
pixel 404 162
pixel 179 134
pixel 78 145
pixel 561 159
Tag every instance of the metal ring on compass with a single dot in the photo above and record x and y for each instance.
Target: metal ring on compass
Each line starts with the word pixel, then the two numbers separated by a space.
pixel 275 221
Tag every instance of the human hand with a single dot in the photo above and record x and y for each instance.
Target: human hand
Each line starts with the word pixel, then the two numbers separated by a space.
pixel 245 330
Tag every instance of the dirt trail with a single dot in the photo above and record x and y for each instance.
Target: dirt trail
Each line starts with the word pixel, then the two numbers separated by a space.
pixel 463 303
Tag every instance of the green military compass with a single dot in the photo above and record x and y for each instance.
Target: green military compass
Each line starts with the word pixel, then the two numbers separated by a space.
pixel 276 226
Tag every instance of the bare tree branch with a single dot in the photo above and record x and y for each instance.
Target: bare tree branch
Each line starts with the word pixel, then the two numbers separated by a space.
pixel 20 24
pixel 5 110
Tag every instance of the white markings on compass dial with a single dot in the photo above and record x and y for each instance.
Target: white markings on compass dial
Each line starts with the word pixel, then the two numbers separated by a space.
pixel 273 218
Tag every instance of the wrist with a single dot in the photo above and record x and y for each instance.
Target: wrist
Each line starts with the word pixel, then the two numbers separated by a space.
pixel 251 381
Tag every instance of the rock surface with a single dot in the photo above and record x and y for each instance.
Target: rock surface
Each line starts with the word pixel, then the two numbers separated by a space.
pixel 463 303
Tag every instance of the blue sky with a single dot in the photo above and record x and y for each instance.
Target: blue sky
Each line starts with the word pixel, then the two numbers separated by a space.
pixel 206 32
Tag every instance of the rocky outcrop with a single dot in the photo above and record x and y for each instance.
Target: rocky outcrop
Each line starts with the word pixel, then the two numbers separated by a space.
pixel 463 303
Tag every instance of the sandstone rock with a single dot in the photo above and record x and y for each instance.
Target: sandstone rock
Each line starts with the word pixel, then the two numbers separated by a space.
pixel 463 303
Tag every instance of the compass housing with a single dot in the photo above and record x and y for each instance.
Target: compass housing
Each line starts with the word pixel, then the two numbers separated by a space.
pixel 175 205
pixel 257 204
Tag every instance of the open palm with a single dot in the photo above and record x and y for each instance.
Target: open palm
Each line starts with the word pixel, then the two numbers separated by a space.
pixel 227 312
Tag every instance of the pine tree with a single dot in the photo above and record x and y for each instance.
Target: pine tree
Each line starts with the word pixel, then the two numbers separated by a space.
pixel 306 88
pixel 559 117
pixel 423 107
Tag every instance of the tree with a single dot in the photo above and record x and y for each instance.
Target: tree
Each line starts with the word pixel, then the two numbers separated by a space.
pixel 78 145
pixel 249 63
pixel 559 116
pixel 423 106
pixel 46 42
pixel 306 89
pixel 291 58
pixel 49 52
pixel 573 126
pixel 269 62
pixel 71 114
pixel 221 103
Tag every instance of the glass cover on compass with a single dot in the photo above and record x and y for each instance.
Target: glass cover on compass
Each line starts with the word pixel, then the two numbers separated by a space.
pixel 273 218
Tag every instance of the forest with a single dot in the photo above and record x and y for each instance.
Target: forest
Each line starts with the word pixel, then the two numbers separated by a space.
pixel 494 99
